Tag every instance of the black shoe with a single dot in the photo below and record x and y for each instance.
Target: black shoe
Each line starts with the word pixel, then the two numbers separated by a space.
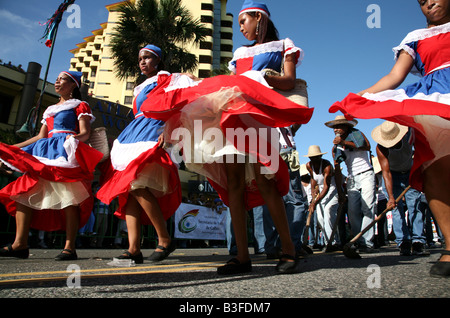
pixel 441 269
pixel 233 266
pixel 288 264
pixel 138 258
pixel 69 256
pixel 159 256
pixel 419 249
pixel 405 249
pixel 9 252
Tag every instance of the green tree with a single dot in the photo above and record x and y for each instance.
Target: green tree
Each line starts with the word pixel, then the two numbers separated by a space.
pixel 164 23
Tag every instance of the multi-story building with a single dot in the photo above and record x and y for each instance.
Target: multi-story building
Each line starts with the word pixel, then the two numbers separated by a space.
pixel 93 57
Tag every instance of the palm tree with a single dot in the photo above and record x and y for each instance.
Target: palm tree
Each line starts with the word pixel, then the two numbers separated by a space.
pixel 164 23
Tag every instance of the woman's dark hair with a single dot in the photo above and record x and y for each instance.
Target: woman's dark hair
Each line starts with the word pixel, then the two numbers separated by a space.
pixel 76 94
pixel 267 31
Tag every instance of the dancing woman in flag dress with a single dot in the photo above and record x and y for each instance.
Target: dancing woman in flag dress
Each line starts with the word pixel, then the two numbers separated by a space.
pixel 245 176
pixel 424 106
pixel 140 172
pixel 54 193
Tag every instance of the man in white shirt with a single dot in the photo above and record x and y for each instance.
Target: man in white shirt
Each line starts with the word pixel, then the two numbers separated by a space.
pixel 352 147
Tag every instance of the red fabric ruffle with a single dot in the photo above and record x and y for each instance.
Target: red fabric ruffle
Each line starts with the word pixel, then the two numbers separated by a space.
pixel 115 183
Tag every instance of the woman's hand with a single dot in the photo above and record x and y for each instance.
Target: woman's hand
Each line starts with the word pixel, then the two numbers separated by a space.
pixel 191 76
pixel 287 81
pixel 161 141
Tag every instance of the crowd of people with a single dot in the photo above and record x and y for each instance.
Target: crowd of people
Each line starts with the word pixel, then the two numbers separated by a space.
pixel 363 194
pixel 55 191
pixel 12 66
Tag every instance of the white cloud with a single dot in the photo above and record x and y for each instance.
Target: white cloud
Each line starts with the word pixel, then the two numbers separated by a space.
pixel 14 20
pixel 20 38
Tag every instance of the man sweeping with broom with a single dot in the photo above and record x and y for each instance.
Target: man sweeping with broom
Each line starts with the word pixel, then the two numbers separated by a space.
pixel 395 154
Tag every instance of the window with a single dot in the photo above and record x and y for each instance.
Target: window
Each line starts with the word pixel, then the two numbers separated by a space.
pixel 226 48
pixel 130 86
pixel 206 19
pixel 226 35
pixel 205 59
pixel 227 24
pixel 204 73
pixel 128 100
pixel 207 6
pixel 206 45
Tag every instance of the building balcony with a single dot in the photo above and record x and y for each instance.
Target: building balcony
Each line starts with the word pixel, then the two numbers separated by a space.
pixel 98 39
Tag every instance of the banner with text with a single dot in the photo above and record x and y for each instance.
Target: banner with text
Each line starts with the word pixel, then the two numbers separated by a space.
pixel 199 222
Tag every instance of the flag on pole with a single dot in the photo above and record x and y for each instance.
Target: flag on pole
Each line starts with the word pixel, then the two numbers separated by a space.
pixel 51 24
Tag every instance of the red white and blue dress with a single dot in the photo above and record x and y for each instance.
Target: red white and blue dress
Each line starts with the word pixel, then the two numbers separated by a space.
pixel 136 161
pixel 424 105
pixel 205 118
pixel 57 172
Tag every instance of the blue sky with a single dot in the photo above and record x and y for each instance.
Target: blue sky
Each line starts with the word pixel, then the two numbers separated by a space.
pixel 342 54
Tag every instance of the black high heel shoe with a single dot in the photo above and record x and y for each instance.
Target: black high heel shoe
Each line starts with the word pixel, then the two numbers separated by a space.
pixel 9 252
pixel 441 269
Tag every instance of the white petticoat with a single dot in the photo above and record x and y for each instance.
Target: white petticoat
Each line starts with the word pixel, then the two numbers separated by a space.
pixel 53 195
pixel 204 144
pixel 437 132
pixel 155 178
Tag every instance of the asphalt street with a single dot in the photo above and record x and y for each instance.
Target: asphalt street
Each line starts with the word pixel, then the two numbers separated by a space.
pixel 189 275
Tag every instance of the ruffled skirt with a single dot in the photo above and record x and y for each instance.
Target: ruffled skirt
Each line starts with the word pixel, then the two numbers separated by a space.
pixel 424 106
pixel 51 183
pixel 226 119
pixel 140 165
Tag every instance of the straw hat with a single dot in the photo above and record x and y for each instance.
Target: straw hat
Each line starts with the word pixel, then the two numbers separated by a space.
pixel 341 120
pixel 314 151
pixel 388 134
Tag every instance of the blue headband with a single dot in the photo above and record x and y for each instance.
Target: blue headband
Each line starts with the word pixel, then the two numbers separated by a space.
pixel 153 49
pixel 75 76
pixel 252 6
